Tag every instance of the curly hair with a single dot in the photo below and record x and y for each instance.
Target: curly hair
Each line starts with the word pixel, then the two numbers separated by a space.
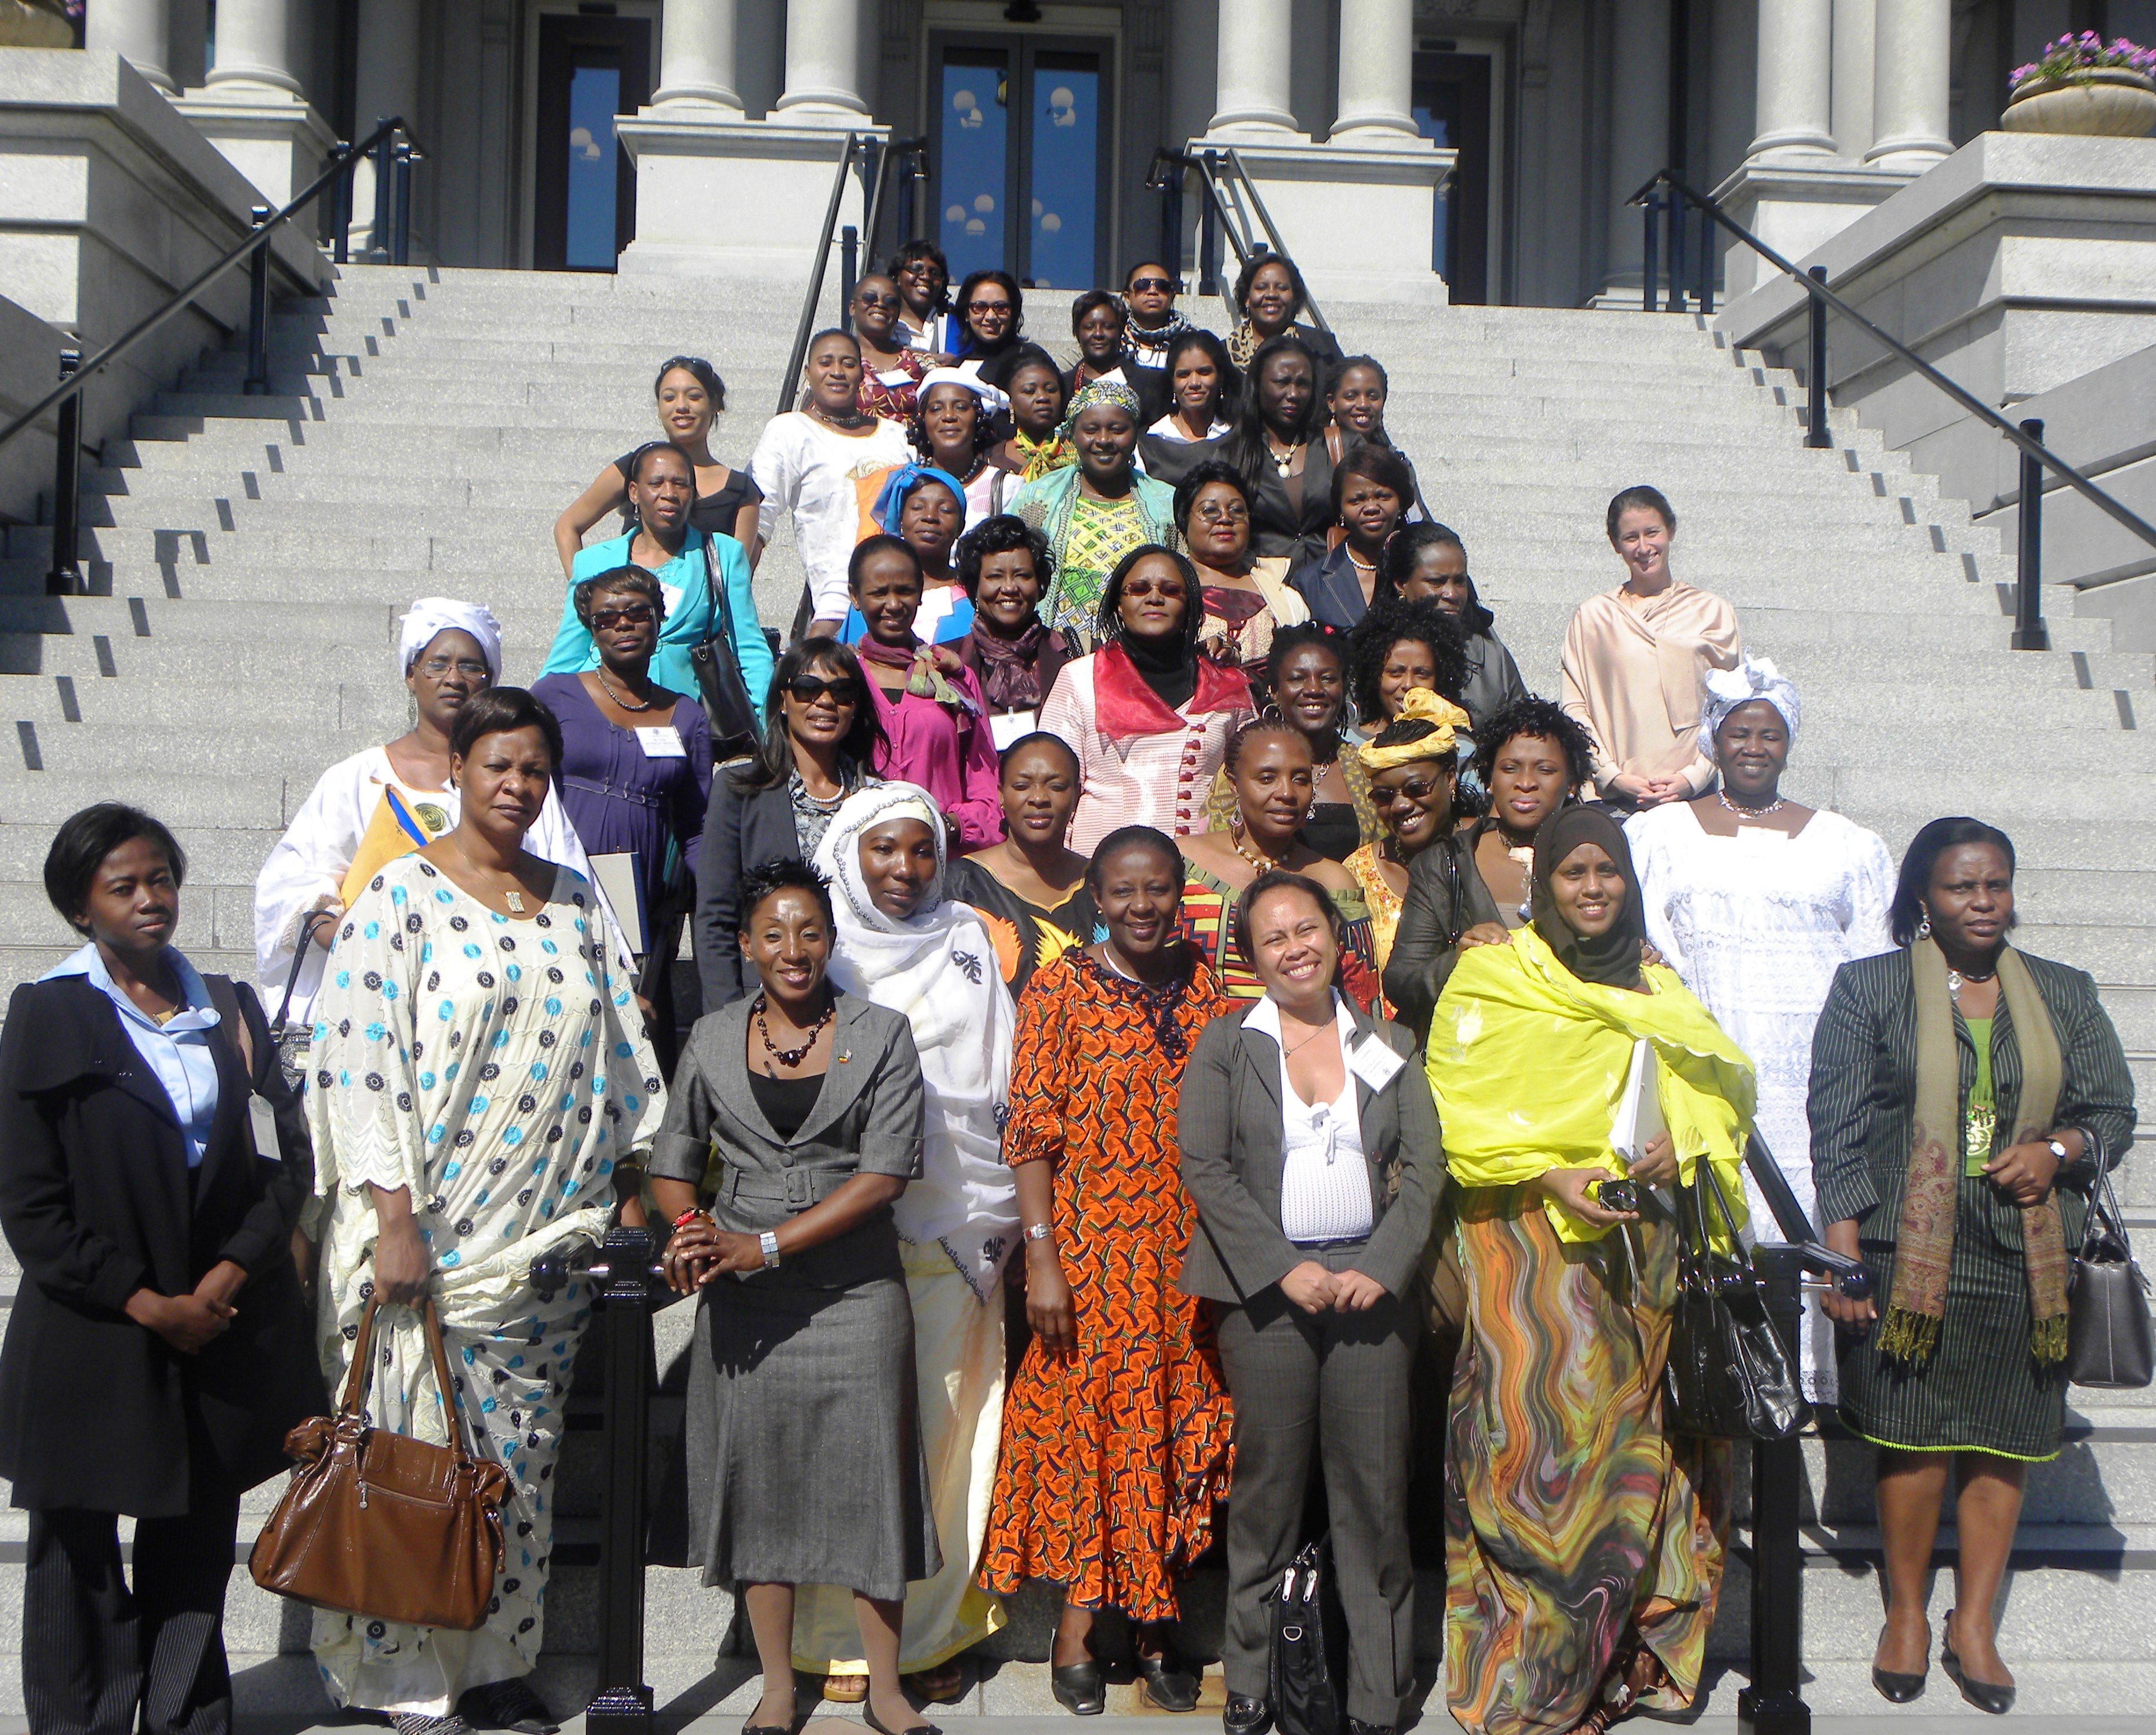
pixel 1005 533
pixel 1390 622
pixel 1540 720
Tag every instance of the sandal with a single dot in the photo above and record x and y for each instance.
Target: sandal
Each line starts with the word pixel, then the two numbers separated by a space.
pixel 845 1689
pixel 943 1685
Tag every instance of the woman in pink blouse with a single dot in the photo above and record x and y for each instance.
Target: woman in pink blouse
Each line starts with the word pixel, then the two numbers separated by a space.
pixel 935 721
pixel 1148 714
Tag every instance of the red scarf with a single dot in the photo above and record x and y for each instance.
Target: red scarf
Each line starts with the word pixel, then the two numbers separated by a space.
pixel 1124 705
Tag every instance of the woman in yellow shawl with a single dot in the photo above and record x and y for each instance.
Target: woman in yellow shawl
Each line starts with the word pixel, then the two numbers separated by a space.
pixel 1583 1539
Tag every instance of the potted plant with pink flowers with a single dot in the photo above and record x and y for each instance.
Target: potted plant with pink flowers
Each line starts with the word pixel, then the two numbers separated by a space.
pixel 2084 85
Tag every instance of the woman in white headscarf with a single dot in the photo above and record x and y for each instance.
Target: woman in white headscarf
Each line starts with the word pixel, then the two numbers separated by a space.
pixel 386 801
pixel 902 944
pixel 1756 901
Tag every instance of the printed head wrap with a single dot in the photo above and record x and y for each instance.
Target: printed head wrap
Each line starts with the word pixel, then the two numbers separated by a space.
pixel 1752 678
pixel 1096 392
pixel 900 485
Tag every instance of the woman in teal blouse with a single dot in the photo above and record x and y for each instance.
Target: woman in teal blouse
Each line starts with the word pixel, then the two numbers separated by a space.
pixel 662 488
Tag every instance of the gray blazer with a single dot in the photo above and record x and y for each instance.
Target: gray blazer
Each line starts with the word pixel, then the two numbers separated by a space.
pixel 866 1121
pixel 1228 1125
pixel 740 831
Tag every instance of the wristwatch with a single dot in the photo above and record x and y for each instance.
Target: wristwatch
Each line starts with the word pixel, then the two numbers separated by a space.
pixel 768 1240
pixel 2058 1150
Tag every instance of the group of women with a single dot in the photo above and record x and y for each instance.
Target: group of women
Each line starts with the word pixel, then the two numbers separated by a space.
pixel 1140 900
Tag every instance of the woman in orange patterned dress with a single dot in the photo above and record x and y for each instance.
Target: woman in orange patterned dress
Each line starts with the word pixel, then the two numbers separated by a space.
pixel 1116 1429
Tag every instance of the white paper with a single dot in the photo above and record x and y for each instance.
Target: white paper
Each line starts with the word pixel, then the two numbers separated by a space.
pixel 1373 1063
pixel 662 741
pixel 1011 726
pixel 263 1118
pixel 896 377
pixel 620 885
pixel 1639 1117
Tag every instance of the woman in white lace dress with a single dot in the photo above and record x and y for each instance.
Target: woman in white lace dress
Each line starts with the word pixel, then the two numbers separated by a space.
pixel 1756 901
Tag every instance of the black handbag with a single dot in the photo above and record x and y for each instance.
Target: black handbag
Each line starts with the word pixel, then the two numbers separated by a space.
pixel 2109 1339
pixel 293 1045
pixel 725 694
pixel 1730 1375
pixel 1306 1661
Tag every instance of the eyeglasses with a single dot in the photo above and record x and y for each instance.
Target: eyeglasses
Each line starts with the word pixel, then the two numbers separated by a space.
pixel 1212 512
pixel 922 267
pixel 1153 285
pixel 634 614
pixel 843 690
pixel 436 667
pixel 1384 797
pixel 977 308
pixel 867 300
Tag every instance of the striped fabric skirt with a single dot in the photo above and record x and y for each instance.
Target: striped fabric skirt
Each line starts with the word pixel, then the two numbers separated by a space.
pixel 1576 1525
pixel 1979 1390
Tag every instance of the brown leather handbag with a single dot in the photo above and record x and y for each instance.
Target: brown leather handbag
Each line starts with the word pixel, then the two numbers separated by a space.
pixel 383 1525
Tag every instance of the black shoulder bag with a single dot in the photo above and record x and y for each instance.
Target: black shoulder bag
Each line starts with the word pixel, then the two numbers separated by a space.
pixel 1729 1371
pixel 2107 1328
pixel 725 694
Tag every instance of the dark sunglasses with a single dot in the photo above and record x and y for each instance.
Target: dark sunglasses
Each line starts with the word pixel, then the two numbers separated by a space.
pixel 1158 285
pixel 843 690
pixel 980 307
pixel 867 300
pixel 636 615
pixel 1384 797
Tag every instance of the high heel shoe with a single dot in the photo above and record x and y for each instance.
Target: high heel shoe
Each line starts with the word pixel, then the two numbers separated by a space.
pixel 1988 1695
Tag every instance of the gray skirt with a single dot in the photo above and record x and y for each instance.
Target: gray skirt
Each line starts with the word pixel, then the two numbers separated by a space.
pixel 804 1442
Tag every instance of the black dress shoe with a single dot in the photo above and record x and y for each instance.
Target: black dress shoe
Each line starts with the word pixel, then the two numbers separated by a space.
pixel 1245 1716
pixel 1896 1689
pixel 1989 1696
pixel 1079 1688
pixel 508 1705
pixel 1356 1726
pixel 1168 1683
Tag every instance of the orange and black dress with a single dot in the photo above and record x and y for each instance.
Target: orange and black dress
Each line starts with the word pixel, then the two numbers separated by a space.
pixel 1114 1457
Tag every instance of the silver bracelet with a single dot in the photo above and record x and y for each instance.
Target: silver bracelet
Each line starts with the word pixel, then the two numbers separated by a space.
pixel 1039 1231
pixel 768 1241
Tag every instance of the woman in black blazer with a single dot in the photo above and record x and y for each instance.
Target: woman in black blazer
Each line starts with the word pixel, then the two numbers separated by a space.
pixel 1310 1146
pixel 157 1352
pixel 820 736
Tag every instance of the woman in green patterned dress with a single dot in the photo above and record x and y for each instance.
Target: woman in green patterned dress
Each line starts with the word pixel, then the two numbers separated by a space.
pixel 1964 1096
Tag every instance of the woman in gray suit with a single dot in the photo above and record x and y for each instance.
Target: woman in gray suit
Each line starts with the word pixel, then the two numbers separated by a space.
pixel 805 1458
pixel 1311 1145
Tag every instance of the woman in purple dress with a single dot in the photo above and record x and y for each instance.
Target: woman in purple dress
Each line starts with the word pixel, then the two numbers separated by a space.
pixel 635 771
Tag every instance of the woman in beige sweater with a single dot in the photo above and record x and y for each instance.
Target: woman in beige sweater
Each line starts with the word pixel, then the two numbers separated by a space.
pixel 1633 660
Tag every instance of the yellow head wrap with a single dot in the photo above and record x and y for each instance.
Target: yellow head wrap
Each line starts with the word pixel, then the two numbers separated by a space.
pixel 1420 705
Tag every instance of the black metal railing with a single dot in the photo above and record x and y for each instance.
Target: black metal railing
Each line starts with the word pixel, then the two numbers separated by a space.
pixel 878 158
pixel 1230 205
pixel 392 146
pixel 1666 193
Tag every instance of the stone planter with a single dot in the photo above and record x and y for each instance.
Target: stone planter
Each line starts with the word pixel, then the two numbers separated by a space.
pixel 2105 102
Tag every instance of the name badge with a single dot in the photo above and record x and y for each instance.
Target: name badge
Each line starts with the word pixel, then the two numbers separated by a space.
pixel 662 742
pixel 1011 726
pixel 1373 1063
pixel 262 1118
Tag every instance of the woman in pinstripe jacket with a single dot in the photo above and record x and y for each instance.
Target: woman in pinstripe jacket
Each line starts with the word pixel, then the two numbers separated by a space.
pixel 1963 1098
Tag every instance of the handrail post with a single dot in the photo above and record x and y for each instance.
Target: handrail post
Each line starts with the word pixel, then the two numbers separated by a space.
pixel 622 1703
pixel 401 249
pixel 1705 260
pixel 1171 222
pixel 1208 234
pixel 1773 1704
pixel 64 577
pixel 1650 257
pixel 258 311
pixel 378 239
pixel 341 205
pixel 1676 210
pixel 850 268
pixel 2030 632
pixel 1815 433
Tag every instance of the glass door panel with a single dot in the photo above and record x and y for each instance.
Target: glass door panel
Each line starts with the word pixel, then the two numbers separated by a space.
pixel 1064 198
pixel 972 156
pixel 592 68
pixel 1452 107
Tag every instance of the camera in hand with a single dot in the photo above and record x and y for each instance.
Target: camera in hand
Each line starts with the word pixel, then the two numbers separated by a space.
pixel 1615 1194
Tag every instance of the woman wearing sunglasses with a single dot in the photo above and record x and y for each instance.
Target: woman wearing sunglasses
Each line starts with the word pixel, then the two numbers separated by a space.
pixel 635 768
pixel 1149 298
pixel 821 736
pixel 991 317
pixel 890 372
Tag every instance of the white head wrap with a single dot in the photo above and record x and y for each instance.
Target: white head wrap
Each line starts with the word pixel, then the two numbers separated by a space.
pixel 1752 678
pixel 993 399
pixel 431 616
pixel 938 967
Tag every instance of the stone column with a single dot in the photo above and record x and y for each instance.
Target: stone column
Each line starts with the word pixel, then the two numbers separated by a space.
pixel 1639 136
pixel 1250 79
pixel 387 87
pixel 822 59
pixel 696 54
pixel 1376 65
pixel 251 104
pixel 1911 56
pixel 138 31
pixel 253 47
pixel 1796 80
pixel 1853 55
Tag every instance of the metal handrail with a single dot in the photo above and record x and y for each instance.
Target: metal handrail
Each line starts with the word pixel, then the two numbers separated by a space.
pixel 395 149
pixel 2030 621
pixel 1216 219
pixel 1273 235
pixel 790 383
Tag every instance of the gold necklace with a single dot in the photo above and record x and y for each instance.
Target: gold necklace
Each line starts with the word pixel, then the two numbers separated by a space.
pixel 510 894
pixel 1257 858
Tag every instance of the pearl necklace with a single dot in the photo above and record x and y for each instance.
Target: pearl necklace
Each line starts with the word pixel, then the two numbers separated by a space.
pixel 1257 858
pixel 1776 806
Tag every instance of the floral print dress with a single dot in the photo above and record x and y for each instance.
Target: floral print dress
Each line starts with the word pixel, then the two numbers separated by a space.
pixel 494 1066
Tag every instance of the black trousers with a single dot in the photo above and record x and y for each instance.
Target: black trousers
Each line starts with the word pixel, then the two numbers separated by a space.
pixel 101 1657
pixel 1335 1384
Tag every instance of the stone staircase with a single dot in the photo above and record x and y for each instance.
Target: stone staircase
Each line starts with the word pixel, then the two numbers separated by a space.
pixel 249 556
